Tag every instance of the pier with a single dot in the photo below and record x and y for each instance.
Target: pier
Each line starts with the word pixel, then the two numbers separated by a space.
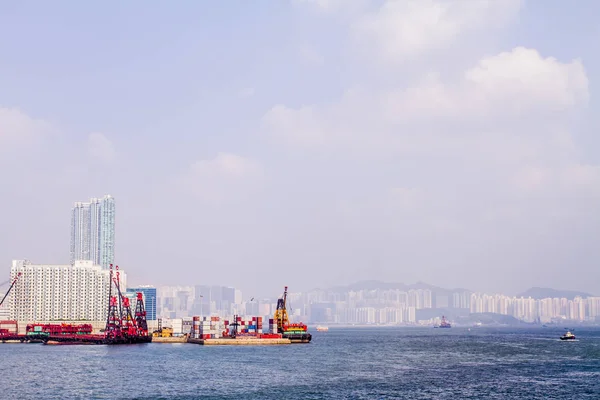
pixel 239 342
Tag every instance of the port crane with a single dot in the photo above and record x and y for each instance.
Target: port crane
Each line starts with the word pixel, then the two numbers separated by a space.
pixel 281 315
pixel 297 333
pixel 10 288
pixel 123 325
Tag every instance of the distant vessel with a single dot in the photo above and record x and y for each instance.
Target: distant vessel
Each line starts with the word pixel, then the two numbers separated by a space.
pixel 444 323
pixel 322 328
pixel 567 336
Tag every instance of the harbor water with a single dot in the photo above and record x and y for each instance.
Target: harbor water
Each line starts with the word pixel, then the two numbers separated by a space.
pixel 343 363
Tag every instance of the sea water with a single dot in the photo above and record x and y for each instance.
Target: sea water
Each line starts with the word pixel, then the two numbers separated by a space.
pixel 343 363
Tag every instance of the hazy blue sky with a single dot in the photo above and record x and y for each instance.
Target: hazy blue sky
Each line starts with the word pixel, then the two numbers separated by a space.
pixel 308 143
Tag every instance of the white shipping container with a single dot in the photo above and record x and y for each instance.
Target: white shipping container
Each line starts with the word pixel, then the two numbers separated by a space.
pixel 177 326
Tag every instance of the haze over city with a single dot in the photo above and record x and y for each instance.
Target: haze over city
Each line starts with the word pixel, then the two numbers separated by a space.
pixel 308 143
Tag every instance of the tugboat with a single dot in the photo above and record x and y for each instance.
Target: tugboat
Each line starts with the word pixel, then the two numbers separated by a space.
pixel 567 336
pixel 444 323
pixel 296 333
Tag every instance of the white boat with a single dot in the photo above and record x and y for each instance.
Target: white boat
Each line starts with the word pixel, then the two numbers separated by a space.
pixel 567 336
pixel 321 328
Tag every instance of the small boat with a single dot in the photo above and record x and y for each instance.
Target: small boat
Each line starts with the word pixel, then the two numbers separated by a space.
pixel 567 336
pixel 322 328
pixel 444 323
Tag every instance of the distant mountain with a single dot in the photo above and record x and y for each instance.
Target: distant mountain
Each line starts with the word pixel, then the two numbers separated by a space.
pixel 370 285
pixel 375 284
pixel 449 313
pixel 543 293
pixel 494 319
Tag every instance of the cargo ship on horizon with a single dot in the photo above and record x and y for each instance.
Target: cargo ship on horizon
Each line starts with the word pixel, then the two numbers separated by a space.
pixel 444 323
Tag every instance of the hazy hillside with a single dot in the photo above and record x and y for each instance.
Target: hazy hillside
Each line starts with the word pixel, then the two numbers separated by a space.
pixel 375 284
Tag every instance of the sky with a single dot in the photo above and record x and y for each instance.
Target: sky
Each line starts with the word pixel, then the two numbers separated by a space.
pixel 308 143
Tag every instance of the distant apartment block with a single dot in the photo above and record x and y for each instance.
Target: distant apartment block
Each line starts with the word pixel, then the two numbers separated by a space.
pixel 60 292
pixel 374 306
pixel 542 310
pixel 175 301
pixel 185 301
pixel 93 231
pixel 149 296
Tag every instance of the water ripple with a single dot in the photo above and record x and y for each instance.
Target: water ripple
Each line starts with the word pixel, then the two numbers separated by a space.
pixel 339 364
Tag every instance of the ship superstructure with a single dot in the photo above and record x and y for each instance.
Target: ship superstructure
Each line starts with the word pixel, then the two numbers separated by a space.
pixel 295 332
pixel 444 323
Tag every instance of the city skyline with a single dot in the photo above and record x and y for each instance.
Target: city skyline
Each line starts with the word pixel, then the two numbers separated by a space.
pixel 309 143
pixel 382 305
pixel 93 231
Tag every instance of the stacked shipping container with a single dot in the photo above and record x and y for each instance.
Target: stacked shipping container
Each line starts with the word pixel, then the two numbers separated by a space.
pixel 272 325
pixel 214 328
pixel 207 328
pixel 249 327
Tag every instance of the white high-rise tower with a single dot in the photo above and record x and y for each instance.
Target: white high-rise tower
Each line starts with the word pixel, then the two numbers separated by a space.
pixel 93 231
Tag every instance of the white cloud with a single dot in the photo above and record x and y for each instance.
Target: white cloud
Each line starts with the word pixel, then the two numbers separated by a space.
pixel 101 148
pixel 17 128
pixel 223 178
pixel 510 84
pixel 401 29
pixel 492 145
pixel 523 80
pixel 491 107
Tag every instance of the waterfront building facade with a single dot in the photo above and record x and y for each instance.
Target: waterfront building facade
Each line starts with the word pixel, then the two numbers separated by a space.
pixel 43 292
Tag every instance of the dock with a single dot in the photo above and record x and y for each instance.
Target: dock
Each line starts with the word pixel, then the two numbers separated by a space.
pixel 239 342
pixel 170 339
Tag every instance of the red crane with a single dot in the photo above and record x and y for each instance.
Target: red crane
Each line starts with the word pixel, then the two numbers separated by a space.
pixel 10 288
pixel 121 326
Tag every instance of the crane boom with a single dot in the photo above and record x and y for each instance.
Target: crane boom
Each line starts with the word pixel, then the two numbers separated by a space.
pixel 10 288
pixel 281 314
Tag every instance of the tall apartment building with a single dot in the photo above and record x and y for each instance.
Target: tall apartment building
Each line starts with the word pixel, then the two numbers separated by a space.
pixel 93 231
pixel 149 296
pixel 75 292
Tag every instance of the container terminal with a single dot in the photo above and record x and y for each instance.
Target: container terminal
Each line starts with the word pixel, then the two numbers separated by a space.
pixel 249 331
pixel 124 326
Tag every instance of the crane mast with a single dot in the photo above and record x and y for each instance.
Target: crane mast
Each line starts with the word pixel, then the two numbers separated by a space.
pixel 281 314
pixel 10 288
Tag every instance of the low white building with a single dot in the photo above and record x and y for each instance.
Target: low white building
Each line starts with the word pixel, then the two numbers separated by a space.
pixel 77 292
